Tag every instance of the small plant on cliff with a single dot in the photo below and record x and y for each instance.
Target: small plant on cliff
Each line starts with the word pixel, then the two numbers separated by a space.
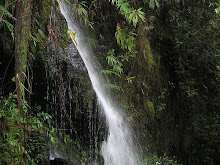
pixel 133 16
pixel 5 16
pixel 32 129
pixel 114 63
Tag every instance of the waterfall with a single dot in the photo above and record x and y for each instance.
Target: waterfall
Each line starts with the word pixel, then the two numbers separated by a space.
pixel 118 148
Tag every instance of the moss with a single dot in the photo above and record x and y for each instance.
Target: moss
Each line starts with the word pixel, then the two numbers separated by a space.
pixel 23 25
pixel 145 49
pixel 150 107
pixel 149 55
pixel 42 12
pixel 38 43
pixel 187 141
pixel 65 37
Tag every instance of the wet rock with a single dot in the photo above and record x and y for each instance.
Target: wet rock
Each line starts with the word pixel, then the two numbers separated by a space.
pixel 59 161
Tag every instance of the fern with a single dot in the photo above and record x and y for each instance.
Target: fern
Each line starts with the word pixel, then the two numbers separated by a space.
pixel 113 86
pixel 10 27
pixel 114 1
pixel 124 7
pixel 152 3
pixel 130 79
pixel 82 13
pixel 118 69
pixel 133 16
pixel 115 64
pixel 126 56
pixel 111 60
pixel 140 14
pixel 111 72
pixel 125 38
pixel 4 11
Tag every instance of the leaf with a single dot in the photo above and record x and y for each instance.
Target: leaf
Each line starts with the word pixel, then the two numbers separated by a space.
pixel 125 38
pixel 66 138
pixel 4 11
pixel 73 37
pixel 130 79
pixel 10 27
pixel 113 86
pixel 131 15
pixel 41 33
pixel 110 72
pixel 53 140
pixel 67 1
pixel 13 79
pixel 111 60
pixel 118 69
pixel 152 3
pixel 38 108
pixel 77 144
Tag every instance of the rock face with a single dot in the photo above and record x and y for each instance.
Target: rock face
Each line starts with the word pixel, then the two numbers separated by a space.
pixel 72 102
pixel 74 60
pixel 59 161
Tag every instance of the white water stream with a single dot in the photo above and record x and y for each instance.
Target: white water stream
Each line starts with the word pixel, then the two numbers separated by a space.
pixel 117 149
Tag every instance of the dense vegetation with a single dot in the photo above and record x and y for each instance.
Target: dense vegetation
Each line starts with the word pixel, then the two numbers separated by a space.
pixel 162 57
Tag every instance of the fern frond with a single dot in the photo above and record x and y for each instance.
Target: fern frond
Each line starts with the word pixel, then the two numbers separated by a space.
pixel 116 87
pixel 114 1
pixel 111 72
pixel 134 15
pixel 118 69
pixel 152 3
pixel 111 60
pixel 10 27
pixel 125 38
pixel 131 15
pixel 4 11
pixel 141 14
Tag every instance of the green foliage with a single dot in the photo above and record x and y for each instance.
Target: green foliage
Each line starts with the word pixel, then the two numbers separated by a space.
pixel 110 72
pixel 115 87
pixel 9 135
pixel 163 160
pixel 80 9
pixel 152 3
pixel 73 149
pixel 35 40
pixel 114 63
pixel 5 13
pixel 126 56
pixel 217 6
pixel 38 39
pixel 133 16
pixel 10 27
pixel 125 38
pixel 207 130
pixel 188 34
pixel 130 79
pixel 111 59
pixel 37 36
pixel 151 109
pixel 66 139
pixel 10 130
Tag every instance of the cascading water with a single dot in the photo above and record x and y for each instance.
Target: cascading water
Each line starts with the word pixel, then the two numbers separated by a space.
pixel 117 149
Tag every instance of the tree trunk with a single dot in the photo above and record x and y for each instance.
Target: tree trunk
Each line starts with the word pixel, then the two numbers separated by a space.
pixel 22 29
